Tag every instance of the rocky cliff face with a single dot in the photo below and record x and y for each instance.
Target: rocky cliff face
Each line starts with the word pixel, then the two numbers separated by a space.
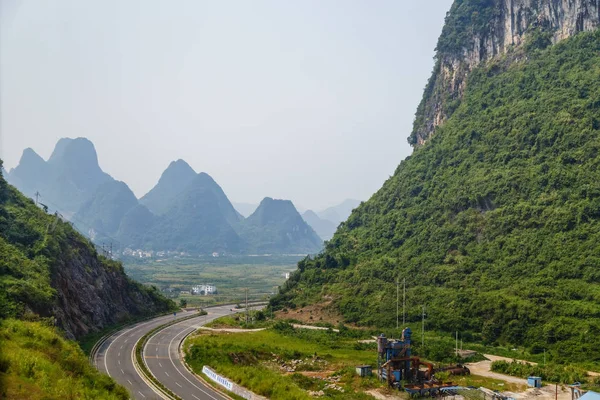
pixel 94 293
pixel 47 269
pixel 477 31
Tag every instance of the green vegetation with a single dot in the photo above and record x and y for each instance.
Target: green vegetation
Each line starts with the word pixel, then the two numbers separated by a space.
pixel 37 249
pixel 494 222
pixel 33 245
pixel 465 20
pixel 200 219
pixel 36 362
pixel 172 183
pixel 261 275
pixel 256 319
pixel 280 362
pixel 277 227
pixel 551 372
pixel 68 179
pixel 104 211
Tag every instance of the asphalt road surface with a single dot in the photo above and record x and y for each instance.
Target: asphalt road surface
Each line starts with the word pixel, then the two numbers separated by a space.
pixel 115 357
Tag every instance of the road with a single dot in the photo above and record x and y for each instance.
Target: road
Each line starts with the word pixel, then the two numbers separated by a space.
pixel 115 357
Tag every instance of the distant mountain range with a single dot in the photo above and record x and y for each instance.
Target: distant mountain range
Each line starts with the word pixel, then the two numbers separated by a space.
pixel 185 211
pixel 68 179
pixel 340 212
pixel 324 227
pixel 324 222
pixel 245 209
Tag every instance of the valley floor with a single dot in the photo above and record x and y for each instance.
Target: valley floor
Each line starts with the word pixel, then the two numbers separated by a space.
pixel 318 361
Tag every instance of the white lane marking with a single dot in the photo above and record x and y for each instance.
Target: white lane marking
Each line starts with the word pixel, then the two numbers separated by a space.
pixel 119 362
pixel 177 369
pixel 167 374
pixel 108 348
pixel 129 382
pixel 126 340
pixel 156 320
pixel 121 348
pixel 177 383
pixel 123 372
pixel 157 350
pixel 160 365
pixel 142 394
pixel 119 354
pixel 196 396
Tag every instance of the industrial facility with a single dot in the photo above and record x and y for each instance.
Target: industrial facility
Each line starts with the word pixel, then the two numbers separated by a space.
pixel 397 367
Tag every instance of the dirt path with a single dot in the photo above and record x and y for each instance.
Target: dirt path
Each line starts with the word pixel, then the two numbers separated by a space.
pixel 548 392
pixel 499 358
pixel 484 368
pixel 231 330
pixel 316 328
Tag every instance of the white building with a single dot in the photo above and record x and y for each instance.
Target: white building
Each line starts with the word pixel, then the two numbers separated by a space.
pixel 204 290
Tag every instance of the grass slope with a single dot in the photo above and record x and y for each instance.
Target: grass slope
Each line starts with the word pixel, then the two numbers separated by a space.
pixel 494 223
pixel 36 362
pixel 253 359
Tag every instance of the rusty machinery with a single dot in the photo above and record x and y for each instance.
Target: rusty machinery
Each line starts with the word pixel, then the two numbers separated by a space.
pixel 396 365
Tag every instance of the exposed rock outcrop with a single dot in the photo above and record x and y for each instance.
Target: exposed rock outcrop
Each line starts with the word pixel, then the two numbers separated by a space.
pixel 93 293
pixel 477 31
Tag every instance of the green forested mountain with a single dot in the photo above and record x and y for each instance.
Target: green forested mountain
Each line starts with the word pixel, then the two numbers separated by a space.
pixel 135 225
pixel 185 211
pixel 494 220
pixel 173 181
pixel 67 180
pixel 47 269
pixel 277 227
pixel 30 174
pixel 200 220
pixel 52 277
pixel 100 216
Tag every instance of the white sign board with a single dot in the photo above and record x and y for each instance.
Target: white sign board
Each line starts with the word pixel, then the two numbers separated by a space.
pixel 217 378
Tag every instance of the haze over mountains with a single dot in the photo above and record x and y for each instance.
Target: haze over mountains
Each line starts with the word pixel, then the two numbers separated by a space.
pixel 324 222
pixel 185 211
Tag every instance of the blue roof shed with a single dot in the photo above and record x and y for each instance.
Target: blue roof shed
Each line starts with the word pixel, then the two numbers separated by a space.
pixel 590 396
pixel 534 381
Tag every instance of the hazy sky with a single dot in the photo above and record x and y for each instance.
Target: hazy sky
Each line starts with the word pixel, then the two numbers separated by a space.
pixel 308 100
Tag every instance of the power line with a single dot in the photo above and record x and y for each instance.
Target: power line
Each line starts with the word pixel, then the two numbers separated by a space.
pixel 102 249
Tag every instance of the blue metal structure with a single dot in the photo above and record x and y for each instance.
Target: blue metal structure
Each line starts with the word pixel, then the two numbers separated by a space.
pixel 395 362
pixel 534 381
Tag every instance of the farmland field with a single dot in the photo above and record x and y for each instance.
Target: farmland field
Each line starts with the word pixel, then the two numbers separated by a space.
pixel 231 275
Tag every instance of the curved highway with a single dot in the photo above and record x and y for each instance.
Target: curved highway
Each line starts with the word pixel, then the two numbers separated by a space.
pixel 115 357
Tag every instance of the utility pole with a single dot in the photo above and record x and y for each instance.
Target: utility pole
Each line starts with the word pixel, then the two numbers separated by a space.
pixel 404 304
pixel 457 343
pixel 397 302
pixel 37 197
pixel 423 328
pixel 246 306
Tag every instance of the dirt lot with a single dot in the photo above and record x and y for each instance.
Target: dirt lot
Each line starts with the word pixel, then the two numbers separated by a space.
pixel 311 314
pixel 483 368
